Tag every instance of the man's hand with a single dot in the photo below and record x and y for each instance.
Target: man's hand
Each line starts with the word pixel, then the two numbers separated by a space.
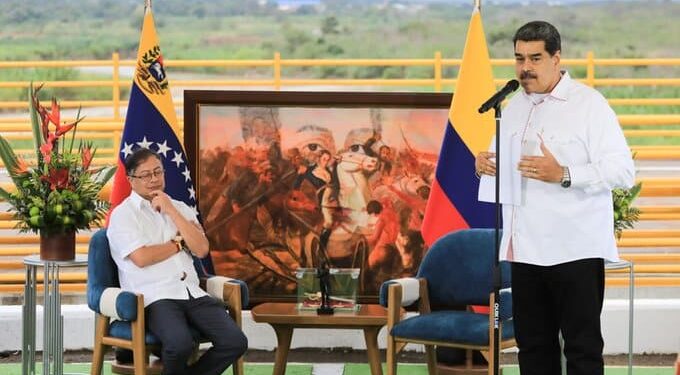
pixel 161 202
pixel 484 163
pixel 542 168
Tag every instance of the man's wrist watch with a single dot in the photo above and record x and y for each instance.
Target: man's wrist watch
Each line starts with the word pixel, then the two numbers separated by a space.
pixel 177 240
pixel 566 178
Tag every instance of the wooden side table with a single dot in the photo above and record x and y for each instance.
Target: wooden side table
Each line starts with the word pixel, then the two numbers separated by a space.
pixel 285 317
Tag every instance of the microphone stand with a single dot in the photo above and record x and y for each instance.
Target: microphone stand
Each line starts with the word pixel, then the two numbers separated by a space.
pixel 497 269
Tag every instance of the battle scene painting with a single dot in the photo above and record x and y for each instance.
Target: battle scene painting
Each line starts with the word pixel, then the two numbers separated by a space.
pixel 286 184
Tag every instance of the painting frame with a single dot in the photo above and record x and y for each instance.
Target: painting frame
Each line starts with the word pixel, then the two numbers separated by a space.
pixel 200 106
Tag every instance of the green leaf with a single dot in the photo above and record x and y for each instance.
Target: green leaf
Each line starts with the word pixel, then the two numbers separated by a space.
pixel 35 122
pixel 4 194
pixel 104 175
pixel 635 191
pixel 9 158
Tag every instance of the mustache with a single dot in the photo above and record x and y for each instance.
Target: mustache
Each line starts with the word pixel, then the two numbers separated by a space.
pixel 525 75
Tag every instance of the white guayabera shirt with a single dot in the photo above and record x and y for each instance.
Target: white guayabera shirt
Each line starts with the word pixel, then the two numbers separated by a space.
pixel 544 223
pixel 133 224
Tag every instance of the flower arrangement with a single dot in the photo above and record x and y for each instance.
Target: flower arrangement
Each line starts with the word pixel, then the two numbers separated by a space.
pixel 625 215
pixel 59 193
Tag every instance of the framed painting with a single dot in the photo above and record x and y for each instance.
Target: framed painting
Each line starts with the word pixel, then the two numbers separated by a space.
pixel 291 180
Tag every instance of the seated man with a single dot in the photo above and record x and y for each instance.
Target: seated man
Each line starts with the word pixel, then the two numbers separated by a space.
pixel 150 236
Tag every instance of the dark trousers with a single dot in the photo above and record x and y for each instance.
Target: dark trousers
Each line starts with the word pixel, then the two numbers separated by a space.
pixel 169 320
pixel 568 298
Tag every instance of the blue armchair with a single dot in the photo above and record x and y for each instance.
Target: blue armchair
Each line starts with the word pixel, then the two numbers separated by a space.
pixel 120 314
pixel 456 271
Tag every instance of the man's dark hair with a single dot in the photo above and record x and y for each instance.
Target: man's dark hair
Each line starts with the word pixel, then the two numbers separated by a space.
pixel 138 157
pixel 537 31
pixel 374 207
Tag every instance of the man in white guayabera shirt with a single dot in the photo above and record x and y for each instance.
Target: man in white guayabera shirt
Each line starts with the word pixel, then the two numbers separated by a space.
pixel 564 151
pixel 150 236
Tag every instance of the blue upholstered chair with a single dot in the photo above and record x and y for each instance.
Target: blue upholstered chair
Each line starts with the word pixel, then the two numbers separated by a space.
pixel 456 271
pixel 120 314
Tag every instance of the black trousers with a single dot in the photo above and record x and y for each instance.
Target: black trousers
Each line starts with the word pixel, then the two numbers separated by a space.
pixel 568 298
pixel 169 320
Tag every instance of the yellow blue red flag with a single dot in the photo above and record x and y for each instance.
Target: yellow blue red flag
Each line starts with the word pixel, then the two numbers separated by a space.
pixel 453 203
pixel 151 122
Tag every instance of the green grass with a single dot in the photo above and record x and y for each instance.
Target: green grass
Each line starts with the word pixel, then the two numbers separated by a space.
pixel 250 369
pixel 421 369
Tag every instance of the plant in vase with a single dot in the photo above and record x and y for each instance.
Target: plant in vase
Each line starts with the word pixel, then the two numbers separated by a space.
pixel 625 215
pixel 58 193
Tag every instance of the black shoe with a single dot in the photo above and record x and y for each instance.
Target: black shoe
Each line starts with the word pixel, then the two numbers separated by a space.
pixel 124 356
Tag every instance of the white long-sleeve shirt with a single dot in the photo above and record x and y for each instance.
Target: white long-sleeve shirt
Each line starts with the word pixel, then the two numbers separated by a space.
pixel 133 224
pixel 551 224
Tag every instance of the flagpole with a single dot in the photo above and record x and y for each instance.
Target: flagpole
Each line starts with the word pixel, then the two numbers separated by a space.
pixel 478 4
pixel 147 4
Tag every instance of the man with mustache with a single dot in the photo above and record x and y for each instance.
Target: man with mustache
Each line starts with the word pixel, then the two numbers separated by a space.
pixel 558 229
pixel 151 236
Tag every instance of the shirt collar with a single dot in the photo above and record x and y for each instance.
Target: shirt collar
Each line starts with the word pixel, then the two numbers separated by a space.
pixel 560 91
pixel 139 202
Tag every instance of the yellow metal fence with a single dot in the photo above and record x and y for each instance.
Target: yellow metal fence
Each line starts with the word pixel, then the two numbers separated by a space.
pixel 110 126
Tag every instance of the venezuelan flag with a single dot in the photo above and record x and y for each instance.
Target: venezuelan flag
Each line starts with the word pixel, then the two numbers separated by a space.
pixel 151 122
pixel 453 203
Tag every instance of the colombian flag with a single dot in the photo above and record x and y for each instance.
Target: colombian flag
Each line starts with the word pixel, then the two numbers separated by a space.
pixel 453 203
pixel 151 122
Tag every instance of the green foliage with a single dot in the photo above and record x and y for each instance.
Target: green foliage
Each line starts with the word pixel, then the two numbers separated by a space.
pixel 61 193
pixel 330 25
pixel 625 215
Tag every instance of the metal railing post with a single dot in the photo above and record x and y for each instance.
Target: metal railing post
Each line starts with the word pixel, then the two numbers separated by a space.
pixel 438 71
pixel 277 71
pixel 115 87
pixel 590 69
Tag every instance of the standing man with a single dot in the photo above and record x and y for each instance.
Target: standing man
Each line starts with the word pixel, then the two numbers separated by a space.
pixel 558 230
pixel 150 236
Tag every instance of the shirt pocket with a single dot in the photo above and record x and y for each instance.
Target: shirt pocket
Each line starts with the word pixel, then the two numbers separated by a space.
pixel 567 149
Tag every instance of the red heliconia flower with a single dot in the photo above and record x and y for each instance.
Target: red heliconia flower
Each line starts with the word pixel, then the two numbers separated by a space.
pixel 21 167
pixel 55 114
pixel 44 121
pixel 46 148
pixel 58 178
pixel 86 156
pixel 63 129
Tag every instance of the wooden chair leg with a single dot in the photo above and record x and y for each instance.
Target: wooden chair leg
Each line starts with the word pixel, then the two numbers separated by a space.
pixel 140 359
pixel 237 367
pixel 98 351
pixel 391 356
pixel 431 359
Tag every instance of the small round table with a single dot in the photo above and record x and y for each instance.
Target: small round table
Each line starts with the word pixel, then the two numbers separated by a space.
pixel 53 321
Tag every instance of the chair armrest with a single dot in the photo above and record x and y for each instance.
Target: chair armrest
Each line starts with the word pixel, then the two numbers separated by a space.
pixel 409 291
pixel 233 292
pixel 118 304
pixel 395 290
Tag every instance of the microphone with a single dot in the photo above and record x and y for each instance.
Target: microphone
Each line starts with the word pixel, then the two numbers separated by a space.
pixel 498 97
